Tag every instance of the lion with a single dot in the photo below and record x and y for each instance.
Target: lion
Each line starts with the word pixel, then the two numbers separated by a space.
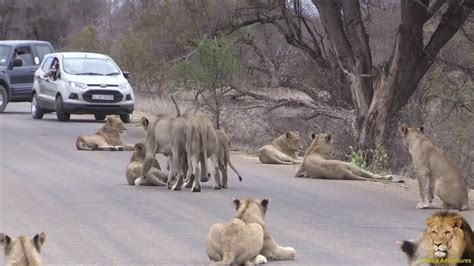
pixel 282 150
pixel 435 171
pixel 23 250
pixel 240 240
pixel 106 138
pixel 448 238
pixel 155 176
pixel 317 165
pixel 223 157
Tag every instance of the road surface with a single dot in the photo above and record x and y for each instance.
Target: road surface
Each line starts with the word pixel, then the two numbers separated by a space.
pixel 93 217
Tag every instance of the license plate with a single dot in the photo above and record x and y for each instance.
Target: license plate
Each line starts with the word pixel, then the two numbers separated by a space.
pixel 102 97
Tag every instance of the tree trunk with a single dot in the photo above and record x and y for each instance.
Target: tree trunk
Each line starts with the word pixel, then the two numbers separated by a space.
pixel 397 80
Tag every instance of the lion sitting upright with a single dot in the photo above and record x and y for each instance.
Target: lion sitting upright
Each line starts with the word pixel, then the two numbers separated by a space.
pixel 245 239
pixel 434 170
pixel 106 138
pixel 317 165
pixel 155 177
pixel 282 150
pixel 22 250
pixel 447 240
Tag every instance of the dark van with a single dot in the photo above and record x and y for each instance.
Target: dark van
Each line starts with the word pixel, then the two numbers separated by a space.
pixel 18 63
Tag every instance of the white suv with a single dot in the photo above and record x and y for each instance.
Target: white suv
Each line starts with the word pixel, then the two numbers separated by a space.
pixel 83 83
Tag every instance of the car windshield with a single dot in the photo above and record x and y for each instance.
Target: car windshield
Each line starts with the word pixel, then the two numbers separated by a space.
pixel 4 54
pixel 90 66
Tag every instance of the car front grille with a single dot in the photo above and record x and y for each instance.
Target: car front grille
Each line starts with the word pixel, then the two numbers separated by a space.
pixel 87 96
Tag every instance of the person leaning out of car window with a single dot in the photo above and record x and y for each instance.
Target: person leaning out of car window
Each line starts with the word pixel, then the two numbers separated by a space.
pixel 53 70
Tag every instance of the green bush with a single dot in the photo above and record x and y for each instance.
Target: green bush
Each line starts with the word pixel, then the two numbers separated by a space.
pixel 378 164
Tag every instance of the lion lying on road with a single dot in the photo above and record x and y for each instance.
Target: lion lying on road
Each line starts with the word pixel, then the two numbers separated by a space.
pixel 448 236
pixel 245 237
pixel 317 165
pixel 22 250
pixel 106 138
pixel 155 176
pixel 435 171
pixel 282 150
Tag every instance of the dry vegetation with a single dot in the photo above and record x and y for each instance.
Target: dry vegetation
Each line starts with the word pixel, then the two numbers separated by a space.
pixel 273 80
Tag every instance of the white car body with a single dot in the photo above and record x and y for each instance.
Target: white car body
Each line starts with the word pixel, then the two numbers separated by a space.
pixel 82 86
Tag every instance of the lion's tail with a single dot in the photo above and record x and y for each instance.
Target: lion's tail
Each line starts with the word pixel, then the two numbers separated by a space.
pixel 227 158
pixel 204 135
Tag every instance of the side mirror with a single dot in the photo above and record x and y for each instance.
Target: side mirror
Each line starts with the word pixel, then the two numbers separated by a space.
pixel 17 62
pixel 126 74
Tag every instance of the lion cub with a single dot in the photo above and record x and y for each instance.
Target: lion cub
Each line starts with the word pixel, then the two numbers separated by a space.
pixel 317 164
pixel 434 170
pixel 448 239
pixel 282 150
pixel 155 176
pixel 23 250
pixel 245 239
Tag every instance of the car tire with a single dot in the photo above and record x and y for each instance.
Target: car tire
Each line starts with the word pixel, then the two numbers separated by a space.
pixel 99 117
pixel 36 110
pixel 126 118
pixel 3 98
pixel 60 113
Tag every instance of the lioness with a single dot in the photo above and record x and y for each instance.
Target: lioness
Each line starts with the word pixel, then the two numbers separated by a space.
pixel 239 240
pixel 435 171
pixel 318 166
pixel 155 176
pixel 223 156
pixel 447 237
pixel 23 250
pixel 106 138
pixel 282 150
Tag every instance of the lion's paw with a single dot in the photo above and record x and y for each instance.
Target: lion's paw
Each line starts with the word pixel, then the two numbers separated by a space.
pixel 422 205
pixel 292 252
pixel 260 259
pixel 138 181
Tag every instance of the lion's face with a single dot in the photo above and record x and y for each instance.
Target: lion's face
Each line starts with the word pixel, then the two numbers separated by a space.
pixel 443 231
pixel 409 134
pixel 116 123
pixel 322 143
pixel 293 141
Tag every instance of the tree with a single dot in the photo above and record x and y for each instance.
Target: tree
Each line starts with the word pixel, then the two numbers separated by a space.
pixel 378 92
pixel 210 72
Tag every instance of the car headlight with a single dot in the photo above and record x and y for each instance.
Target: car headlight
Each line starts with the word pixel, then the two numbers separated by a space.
pixel 125 87
pixel 78 85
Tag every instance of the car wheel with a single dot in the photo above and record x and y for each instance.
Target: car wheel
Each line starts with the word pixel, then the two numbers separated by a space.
pixel 126 118
pixel 36 110
pixel 99 117
pixel 3 98
pixel 60 113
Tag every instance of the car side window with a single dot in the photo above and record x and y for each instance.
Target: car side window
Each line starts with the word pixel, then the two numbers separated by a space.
pixel 42 50
pixel 47 64
pixel 25 54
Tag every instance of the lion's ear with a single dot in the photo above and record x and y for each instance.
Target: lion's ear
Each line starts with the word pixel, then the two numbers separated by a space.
pixel 328 138
pixel 265 203
pixel 403 130
pixel 4 240
pixel 422 129
pixel 430 222
pixel 236 203
pixel 145 122
pixel 138 145
pixel 313 136
pixel 456 222
pixel 39 239
pixel 288 134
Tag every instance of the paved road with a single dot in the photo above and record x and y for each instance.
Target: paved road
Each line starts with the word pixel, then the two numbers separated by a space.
pixel 91 216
